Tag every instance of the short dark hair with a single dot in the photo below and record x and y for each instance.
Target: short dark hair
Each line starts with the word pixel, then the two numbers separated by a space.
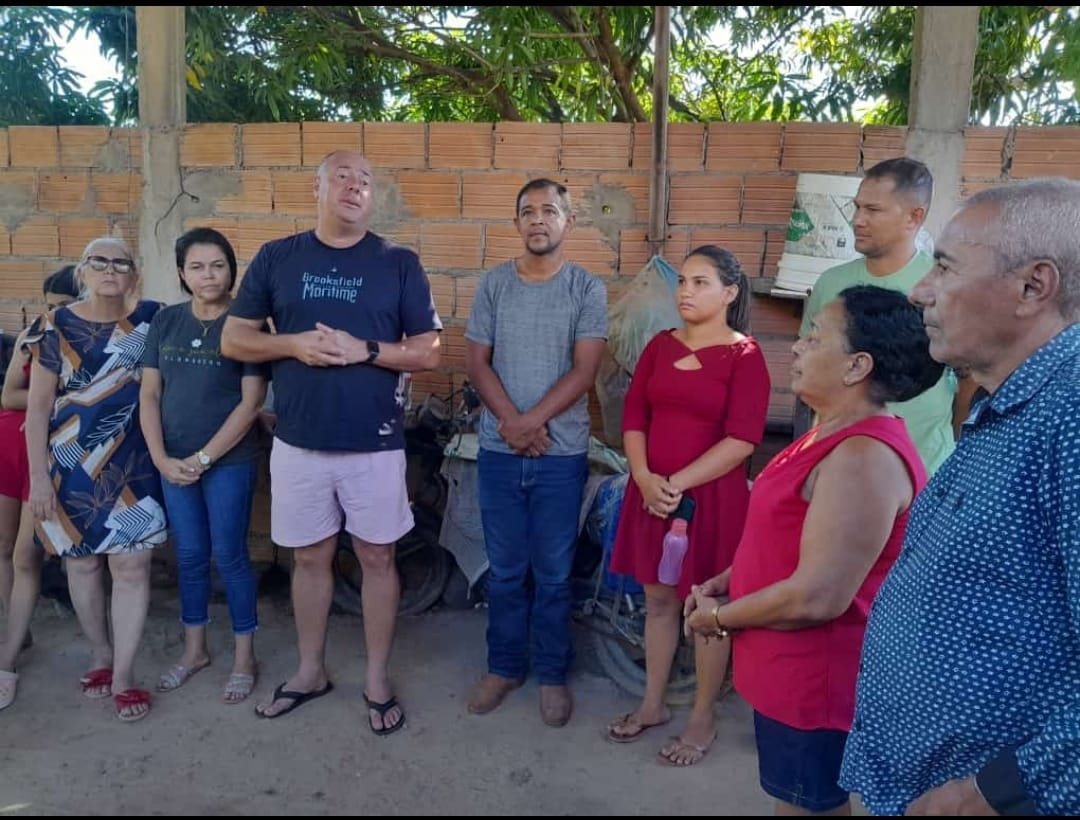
pixel 62 282
pixel 884 324
pixel 204 236
pixel 909 177
pixel 543 183
pixel 730 272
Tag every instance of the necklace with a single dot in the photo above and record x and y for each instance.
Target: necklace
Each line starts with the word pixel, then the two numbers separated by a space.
pixel 197 342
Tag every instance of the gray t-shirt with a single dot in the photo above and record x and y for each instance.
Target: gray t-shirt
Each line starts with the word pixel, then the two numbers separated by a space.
pixel 532 328
pixel 199 386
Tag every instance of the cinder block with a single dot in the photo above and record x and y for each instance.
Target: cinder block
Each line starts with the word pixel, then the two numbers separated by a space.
pixel 34 146
pixel 36 235
pixel 596 146
pixel 450 246
pixel 321 138
pixel 430 194
pixel 207 145
pixel 704 199
pixel 743 146
pixel 80 145
pixel 984 153
pixel 822 148
pixel 457 145
pixel 79 231
pixel 119 193
pixel 527 146
pixel 272 144
pixel 396 144
pixel 491 195
pixel 767 200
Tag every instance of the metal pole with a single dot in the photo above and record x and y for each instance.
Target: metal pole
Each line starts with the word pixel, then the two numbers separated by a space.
pixel 658 184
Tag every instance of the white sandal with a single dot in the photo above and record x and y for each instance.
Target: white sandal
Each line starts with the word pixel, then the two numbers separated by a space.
pixel 8 683
pixel 238 687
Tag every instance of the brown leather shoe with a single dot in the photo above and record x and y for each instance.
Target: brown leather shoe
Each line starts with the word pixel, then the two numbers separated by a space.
pixel 490 691
pixel 556 705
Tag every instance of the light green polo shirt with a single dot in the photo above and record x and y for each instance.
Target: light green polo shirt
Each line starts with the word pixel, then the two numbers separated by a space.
pixel 929 415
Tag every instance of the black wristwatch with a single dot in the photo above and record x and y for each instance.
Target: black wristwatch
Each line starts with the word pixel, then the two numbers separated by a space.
pixel 372 352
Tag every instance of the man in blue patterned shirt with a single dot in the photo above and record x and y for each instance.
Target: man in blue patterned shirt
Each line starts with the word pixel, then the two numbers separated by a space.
pixel 968 698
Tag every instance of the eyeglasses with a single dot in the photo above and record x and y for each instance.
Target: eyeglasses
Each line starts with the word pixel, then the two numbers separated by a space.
pixel 121 266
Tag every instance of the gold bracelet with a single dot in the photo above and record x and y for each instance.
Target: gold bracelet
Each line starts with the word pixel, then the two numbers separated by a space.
pixel 721 630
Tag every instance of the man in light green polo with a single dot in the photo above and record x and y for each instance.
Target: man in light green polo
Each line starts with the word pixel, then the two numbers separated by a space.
pixel 890 208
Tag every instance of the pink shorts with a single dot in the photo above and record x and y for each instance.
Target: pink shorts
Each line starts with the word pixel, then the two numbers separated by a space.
pixel 311 491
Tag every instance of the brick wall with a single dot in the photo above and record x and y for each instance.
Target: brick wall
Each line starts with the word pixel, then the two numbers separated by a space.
pixel 446 190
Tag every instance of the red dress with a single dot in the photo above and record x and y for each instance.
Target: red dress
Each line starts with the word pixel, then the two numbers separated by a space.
pixel 14 466
pixel 683 413
pixel 805 678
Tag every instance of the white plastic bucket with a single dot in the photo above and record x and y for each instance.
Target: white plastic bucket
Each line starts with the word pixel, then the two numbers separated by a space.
pixel 819 232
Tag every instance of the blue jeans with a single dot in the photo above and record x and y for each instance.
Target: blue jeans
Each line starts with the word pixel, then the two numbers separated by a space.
pixel 529 508
pixel 211 518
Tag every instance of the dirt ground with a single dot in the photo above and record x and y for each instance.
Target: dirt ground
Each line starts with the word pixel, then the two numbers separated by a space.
pixel 62 754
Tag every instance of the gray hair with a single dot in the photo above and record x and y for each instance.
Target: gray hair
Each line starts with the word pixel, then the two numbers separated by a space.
pixel 1039 219
pixel 115 241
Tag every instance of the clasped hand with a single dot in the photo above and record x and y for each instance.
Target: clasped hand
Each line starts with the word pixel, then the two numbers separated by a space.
pixel 659 496
pixel 524 436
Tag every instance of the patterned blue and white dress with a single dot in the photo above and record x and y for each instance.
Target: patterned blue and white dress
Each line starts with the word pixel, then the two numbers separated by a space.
pixel 108 490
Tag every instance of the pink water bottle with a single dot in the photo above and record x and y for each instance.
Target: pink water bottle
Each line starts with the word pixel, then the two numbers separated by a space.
pixel 675 546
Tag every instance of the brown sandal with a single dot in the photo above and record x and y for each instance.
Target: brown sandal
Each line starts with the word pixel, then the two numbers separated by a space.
pixel 627 721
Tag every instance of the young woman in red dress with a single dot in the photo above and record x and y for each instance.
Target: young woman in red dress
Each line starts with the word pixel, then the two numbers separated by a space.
pixel 694 413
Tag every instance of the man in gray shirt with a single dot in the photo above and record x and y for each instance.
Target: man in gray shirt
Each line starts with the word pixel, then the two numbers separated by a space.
pixel 534 339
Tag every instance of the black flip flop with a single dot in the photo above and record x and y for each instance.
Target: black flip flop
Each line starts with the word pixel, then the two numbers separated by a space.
pixel 297 698
pixel 382 709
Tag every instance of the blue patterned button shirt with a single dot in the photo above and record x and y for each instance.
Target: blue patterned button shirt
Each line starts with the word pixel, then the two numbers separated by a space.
pixel 971 661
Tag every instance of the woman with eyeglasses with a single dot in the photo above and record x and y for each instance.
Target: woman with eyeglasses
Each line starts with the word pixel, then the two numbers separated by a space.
pixel 94 491
pixel 20 556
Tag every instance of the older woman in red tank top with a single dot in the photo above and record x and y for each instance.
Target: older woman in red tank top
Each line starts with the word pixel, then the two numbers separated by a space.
pixel 824 526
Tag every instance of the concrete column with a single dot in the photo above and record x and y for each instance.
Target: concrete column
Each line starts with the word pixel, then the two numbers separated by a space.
pixel 162 115
pixel 942 68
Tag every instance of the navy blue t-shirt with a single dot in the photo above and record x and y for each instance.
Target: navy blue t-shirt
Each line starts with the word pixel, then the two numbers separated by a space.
pixel 373 290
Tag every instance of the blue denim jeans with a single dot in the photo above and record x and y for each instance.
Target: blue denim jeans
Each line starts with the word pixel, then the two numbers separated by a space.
pixel 529 509
pixel 211 518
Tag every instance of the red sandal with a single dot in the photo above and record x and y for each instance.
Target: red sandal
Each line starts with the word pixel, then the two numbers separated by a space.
pixel 127 699
pixel 96 679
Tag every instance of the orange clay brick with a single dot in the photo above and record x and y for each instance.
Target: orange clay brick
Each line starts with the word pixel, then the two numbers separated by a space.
pixel 430 194
pixel 984 153
pixel 206 145
pixel 271 144
pixel 748 245
pixel 704 199
pixel 822 148
pixel 34 146
pixel 1044 152
pixel 881 142
pixel 442 291
pixel 501 242
pixel 457 145
pixel 464 292
pixel 80 145
pixel 36 235
pixel 119 193
pixel 79 231
pixel 252 196
pixel 526 146
pixel 321 138
pixel 293 192
pixel 490 195
pixel 396 144
pixel 685 146
pixel 453 246
pixel 63 193
pixel 767 200
pixel 596 146
pixel 743 146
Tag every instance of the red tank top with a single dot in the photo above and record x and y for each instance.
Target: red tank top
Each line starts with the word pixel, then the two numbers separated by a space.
pixel 805 678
